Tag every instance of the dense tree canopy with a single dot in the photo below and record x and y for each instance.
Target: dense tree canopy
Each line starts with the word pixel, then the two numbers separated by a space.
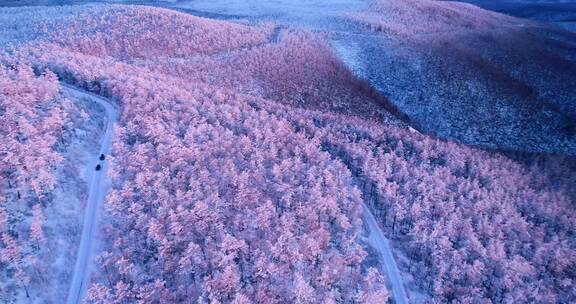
pixel 240 165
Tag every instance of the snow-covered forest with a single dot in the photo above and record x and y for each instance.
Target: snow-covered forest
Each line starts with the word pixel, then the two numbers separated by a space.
pixel 174 155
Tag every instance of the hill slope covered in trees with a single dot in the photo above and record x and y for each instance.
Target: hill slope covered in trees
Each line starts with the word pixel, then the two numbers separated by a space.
pixel 471 75
pixel 241 160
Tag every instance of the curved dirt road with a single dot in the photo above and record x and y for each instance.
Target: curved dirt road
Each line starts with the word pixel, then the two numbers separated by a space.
pixel 380 243
pixel 97 193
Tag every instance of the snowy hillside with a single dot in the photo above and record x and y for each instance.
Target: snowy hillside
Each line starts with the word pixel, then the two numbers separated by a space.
pixel 285 152
pixel 471 75
pixel 47 156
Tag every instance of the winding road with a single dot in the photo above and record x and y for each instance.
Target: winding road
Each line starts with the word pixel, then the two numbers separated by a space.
pixel 380 243
pixel 96 195
pixel 375 238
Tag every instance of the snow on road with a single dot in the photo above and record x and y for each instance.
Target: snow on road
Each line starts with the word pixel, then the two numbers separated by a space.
pixel 380 243
pixel 375 239
pixel 97 191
